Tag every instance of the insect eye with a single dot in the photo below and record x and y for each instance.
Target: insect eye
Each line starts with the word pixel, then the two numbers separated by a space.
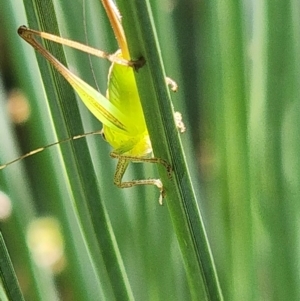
pixel 102 134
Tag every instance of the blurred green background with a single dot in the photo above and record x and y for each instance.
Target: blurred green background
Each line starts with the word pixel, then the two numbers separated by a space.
pixel 238 70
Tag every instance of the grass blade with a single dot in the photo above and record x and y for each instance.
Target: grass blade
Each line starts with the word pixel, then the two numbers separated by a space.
pixel 181 200
pixel 8 275
pixel 92 214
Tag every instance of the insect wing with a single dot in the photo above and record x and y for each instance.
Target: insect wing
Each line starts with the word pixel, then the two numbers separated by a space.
pixel 99 105
pixel 123 94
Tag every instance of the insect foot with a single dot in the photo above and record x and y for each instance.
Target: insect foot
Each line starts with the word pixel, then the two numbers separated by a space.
pixel 172 84
pixel 167 166
pixel 162 193
pixel 179 123
pixel 137 64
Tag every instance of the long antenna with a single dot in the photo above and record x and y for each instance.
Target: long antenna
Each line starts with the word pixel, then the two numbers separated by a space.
pixel 40 149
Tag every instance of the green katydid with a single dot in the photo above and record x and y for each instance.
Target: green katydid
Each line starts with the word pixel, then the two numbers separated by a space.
pixel 124 126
